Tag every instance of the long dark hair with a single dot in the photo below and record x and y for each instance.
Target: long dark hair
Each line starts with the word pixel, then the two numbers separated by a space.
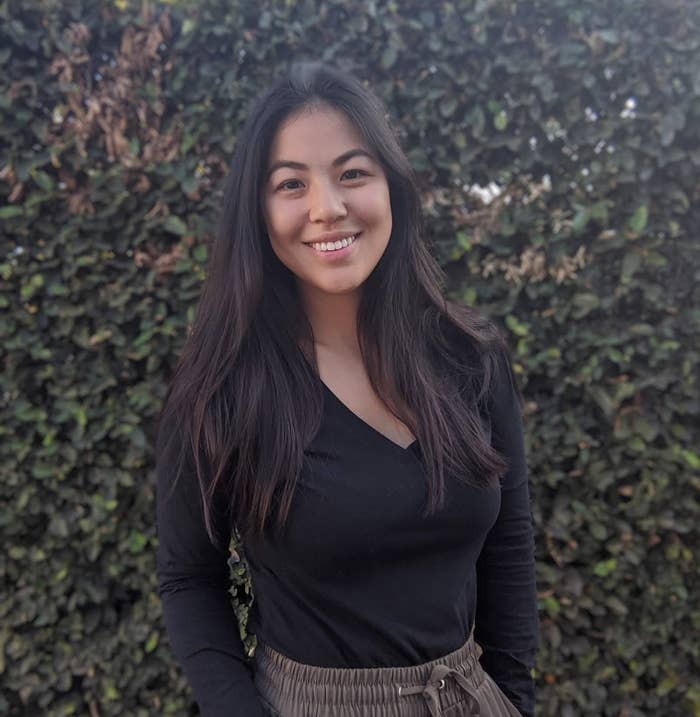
pixel 245 399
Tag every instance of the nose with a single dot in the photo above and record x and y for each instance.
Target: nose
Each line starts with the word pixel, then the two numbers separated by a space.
pixel 326 203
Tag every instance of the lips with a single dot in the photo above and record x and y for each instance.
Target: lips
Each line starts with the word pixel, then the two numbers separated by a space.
pixel 330 254
pixel 331 237
pixel 316 245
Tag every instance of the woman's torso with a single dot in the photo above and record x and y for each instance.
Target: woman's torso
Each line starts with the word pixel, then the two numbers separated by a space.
pixel 360 578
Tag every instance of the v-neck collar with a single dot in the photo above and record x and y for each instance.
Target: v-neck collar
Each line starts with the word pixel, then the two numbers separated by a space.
pixel 410 448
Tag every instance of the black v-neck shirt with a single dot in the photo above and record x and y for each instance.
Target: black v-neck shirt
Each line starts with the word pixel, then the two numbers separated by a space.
pixel 359 577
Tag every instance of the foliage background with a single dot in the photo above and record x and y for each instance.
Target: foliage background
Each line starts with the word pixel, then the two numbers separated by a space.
pixel 118 122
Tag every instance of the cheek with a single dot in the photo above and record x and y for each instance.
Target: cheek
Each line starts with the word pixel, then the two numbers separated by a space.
pixel 375 204
pixel 382 208
pixel 282 218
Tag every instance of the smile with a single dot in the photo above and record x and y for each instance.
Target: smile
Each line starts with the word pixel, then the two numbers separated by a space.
pixel 336 246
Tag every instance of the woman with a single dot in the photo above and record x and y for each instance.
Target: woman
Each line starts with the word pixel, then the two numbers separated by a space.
pixel 360 433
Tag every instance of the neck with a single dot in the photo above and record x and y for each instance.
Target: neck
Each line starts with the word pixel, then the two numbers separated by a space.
pixel 333 318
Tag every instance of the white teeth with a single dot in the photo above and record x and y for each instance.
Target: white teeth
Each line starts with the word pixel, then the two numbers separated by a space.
pixel 332 246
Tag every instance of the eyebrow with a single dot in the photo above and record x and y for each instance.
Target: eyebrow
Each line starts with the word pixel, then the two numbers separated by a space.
pixel 357 152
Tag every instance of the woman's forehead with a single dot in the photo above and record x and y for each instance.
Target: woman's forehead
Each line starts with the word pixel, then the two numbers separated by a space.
pixel 320 133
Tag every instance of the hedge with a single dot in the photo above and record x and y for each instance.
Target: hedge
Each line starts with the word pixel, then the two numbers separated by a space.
pixel 556 145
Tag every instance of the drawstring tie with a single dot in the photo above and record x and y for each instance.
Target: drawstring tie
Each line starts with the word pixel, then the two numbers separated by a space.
pixel 436 682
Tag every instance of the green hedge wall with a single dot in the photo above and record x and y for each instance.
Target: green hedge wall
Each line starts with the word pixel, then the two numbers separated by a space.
pixel 558 152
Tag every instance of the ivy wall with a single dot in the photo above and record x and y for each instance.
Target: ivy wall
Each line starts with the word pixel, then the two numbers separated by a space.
pixel 558 152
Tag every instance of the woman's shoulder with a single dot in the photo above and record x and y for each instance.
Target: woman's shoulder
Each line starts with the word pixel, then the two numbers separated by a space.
pixel 478 349
pixel 488 382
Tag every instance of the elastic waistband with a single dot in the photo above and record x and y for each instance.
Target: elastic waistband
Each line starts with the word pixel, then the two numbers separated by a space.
pixel 308 683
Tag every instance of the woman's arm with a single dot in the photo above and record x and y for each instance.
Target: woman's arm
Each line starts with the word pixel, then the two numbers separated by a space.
pixel 193 583
pixel 507 626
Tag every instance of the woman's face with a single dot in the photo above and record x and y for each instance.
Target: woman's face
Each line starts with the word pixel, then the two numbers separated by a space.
pixel 324 186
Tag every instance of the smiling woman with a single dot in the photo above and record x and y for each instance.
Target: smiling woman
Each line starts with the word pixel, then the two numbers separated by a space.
pixel 361 434
pixel 333 199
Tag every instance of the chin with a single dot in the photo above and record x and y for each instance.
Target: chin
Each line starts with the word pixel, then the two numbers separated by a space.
pixel 340 289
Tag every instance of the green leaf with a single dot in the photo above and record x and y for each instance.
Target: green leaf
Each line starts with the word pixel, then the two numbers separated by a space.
pixel 57 290
pixel 638 220
pixel 81 416
pixel 45 181
pixel 668 684
pixel 500 121
pixel 29 289
pixel 630 263
pixel 189 184
pixel 476 119
pixel 448 105
pixel 616 605
pixel 517 327
pixel 152 642
pixel 637 445
pixel 693 459
pixel 388 57
pixel 464 240
pixel 605 567
pixel 603 399
pixel 598 531
pixel 40 471
pixel 265 20
pixel 584 303
pixel 137 542
pixel 175 225
pixel 671 122
pixel 580 219
pixel 9 211
pixel 551 604
pixel 609 36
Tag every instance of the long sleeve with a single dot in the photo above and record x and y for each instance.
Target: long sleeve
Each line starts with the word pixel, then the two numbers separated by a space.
pixel 507 626
pixel 193 584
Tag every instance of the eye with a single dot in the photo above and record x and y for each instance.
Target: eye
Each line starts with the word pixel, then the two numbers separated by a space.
pixel 286 184
pixel 289 181
pixel 350 171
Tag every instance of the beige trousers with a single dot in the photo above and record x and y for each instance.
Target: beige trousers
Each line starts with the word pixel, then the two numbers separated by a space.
pixel 452 686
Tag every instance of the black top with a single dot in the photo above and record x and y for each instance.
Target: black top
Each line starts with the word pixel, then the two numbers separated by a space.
pixel 360 578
